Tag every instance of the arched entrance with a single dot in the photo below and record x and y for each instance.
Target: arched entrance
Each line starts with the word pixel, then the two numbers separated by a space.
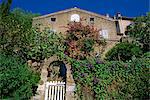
pixel 57 71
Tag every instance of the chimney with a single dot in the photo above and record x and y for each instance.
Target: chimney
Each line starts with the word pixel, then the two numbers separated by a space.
pixel 114 16
pixel 118 15
pixel 107 15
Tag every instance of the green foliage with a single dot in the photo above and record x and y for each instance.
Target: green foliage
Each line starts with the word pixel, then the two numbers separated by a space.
pixel 124 51
pixel 17 81
pixel 113 80
pixel 140 31
pixel 18 37
pixel 45 44
pixel 15 31
pixel 87 45
pixel 5 7
pixel 146 55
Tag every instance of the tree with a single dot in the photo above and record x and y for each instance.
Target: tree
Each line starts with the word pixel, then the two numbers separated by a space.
pixel 140 31
pixel 4 11
pixel 16 31
pixel 5 7
pixel 124 51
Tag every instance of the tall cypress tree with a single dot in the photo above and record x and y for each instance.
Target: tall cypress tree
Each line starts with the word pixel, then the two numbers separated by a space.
pixel 4 11
pixel 5 7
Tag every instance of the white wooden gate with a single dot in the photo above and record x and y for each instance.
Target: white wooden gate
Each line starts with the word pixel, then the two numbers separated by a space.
pixel 55 90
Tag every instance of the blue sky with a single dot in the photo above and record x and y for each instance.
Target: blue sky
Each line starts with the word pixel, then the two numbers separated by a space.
pixel 130 8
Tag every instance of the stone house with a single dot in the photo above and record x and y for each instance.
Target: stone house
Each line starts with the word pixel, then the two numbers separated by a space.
pixel 111 28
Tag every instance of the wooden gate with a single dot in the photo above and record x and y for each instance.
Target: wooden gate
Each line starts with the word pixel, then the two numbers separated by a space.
pixel 55 90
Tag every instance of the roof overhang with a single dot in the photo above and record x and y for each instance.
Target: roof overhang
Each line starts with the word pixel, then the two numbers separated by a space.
pixel 74 9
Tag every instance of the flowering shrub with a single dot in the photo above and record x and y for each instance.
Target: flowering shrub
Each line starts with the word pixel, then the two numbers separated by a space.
pixel 80 40
pixel 113 80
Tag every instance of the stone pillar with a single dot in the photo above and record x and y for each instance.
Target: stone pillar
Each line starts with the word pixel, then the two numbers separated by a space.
pixel 41 87
pixel 70 84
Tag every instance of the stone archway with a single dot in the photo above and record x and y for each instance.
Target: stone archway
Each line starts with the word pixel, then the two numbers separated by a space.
pixel 70 84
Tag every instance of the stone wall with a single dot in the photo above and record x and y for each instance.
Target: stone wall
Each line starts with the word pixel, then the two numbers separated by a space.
pixel 70 85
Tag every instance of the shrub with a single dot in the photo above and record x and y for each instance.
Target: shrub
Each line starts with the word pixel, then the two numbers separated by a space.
pixel 87 45
pixel 45 44
pixel 123 51
pixel 17 81
pixel 146 55
pixel 140 31
pixel 113 80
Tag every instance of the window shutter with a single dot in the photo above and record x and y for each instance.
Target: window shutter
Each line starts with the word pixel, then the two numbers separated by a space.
pixel 104 34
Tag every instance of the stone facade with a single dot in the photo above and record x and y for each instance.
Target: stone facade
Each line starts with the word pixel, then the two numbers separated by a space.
pixel 57 21
pixel 109 27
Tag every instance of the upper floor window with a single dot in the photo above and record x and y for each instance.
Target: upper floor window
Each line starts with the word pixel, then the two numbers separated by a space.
pixel 92 20
pixel 53 19
pixel 75 18
pixel 104 34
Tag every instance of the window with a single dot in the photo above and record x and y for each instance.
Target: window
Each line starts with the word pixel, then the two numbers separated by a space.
pixel 104 34
pixel 92 20
pixel 75 18
pixel 53 19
